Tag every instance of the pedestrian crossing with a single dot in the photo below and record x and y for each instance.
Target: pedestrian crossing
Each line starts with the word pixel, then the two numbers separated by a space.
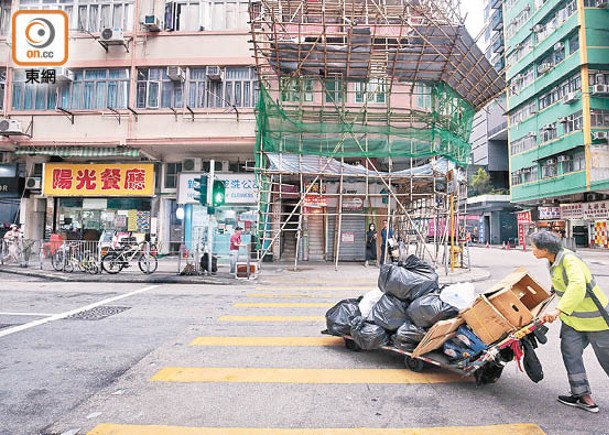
pixel 282 321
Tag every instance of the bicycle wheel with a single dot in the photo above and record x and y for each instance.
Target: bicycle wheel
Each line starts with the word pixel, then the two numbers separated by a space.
pixel 57 260
pixel 148 264
pixel 112 263
pixel 69 266
pixel 90 265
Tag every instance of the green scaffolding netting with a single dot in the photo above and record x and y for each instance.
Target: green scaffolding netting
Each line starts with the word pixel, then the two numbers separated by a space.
pixel 443 129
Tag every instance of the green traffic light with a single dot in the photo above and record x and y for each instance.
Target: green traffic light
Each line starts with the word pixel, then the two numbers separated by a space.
pixel 218 193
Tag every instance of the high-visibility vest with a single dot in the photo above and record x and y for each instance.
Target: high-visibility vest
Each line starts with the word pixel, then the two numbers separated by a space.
pixel 578 309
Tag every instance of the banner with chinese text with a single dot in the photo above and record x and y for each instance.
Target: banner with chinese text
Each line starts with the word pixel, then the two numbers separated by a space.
pixel 120 179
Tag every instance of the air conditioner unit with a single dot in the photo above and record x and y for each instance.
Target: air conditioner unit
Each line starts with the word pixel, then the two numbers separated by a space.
pixel 33 183
pixel 114 35
pixel 222 165
pixel 64 75
pixel 532 134
pixel 600 135
pixel 544 68
pixel 550 162
pixel 152 23
pixel 600 79
pixel 176 73
pixel 563 158
pixel 548 127
pixel 602 3
pixel 600 90
pixel 191 165
pixel 569 98
pixel 10 126
pixel 214 73
pixel 559 46
pixel 537 28
pixel 563 120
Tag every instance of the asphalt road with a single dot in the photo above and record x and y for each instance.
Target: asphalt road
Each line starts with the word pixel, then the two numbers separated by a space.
pixel 139 367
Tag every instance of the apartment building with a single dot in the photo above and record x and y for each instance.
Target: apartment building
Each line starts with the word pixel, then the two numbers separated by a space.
pixel 158 88
pixel 557 58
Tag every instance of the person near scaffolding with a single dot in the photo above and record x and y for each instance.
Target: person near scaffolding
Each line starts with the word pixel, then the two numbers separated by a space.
pixel 386 235
pixel 371 237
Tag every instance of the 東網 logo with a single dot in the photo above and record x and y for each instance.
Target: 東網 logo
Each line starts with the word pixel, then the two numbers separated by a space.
pixel 40 38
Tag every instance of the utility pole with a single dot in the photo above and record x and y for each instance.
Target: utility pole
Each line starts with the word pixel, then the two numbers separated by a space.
pixel 210 217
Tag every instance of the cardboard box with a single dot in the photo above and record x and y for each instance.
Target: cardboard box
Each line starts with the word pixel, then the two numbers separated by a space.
pixel 519 298
pixel 438 334
pixel 486 321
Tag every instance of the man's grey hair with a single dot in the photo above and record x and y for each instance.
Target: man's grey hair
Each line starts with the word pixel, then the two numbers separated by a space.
pixel 547 240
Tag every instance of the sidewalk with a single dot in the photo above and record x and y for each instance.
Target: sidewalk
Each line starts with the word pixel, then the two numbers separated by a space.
pixel 310 272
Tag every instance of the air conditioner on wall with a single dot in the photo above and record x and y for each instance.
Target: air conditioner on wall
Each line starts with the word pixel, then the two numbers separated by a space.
pixel 550 162
pixel 563 120
pixel 191 165
pixel 600 90
pixel 548 127
pixel 544 68
pixel 600 135
pixel 214 73
pixel 176 73
pixel 537 28
pixel 33 183
pixel 569 98
pixel 564 158
pixel 152 23
pixel 10 126
pixel 64 75
pixel 559 46
pixel 602 3
pixel 112 35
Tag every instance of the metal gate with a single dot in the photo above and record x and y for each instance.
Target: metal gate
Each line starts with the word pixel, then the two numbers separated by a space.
pixel 352 237
pixel 316 237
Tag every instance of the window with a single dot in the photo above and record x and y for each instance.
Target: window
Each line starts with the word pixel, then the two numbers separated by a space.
pixel 98 89
pixel 5 17
pixel 423 93
pixel 549 168
pixel 599 118
pixel 336 90
pixel 238 87
pixel 548 133
pixel 574 122
pixel 195 15
pixel 171 174
pixel 96 16
pixel 572 84
pixel 90 15
pixel 523 144
pixel 296 89
pixel 372 91
pixel 579 161
pixel 155 89
pixel 28 95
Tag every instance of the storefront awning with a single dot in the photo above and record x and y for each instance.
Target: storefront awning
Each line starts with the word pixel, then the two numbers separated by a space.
pixel 77 151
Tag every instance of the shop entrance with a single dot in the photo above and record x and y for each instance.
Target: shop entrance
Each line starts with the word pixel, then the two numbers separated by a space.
pixel 288 243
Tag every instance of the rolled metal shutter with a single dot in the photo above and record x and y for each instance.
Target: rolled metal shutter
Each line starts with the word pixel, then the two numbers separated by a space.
pixel 351 225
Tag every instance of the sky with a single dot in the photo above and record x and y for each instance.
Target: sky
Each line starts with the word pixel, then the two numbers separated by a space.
pixel 475 15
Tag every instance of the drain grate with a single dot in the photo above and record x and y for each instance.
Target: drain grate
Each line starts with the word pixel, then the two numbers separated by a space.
pixel 98 313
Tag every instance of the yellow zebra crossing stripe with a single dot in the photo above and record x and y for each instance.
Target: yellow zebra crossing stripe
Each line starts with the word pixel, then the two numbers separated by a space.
pixel 267 341
pixel 304 376
pixel 291 295
pixel 272 318
pixel 499 429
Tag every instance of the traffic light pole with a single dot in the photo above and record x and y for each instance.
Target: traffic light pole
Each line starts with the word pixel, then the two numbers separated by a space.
pixel 210 229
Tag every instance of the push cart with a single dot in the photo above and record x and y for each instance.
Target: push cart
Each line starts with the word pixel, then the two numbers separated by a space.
pixel 486 367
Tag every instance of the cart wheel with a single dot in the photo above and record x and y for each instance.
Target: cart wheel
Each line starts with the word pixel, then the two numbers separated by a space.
pixel 352 345
pixel 416 365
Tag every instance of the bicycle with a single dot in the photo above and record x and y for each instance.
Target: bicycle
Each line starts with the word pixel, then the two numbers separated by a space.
pixel 116 260
pixel 68 258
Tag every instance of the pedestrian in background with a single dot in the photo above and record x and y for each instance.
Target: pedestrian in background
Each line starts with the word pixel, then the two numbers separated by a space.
pixel 386 234
pixel 371 237
pixel 583 320
pixel 235 244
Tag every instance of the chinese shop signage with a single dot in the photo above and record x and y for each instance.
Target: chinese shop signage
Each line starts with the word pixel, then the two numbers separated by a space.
pixel 523 217
pixel 549 213
pixel 121 179
pixel 240 188
pixel 596 210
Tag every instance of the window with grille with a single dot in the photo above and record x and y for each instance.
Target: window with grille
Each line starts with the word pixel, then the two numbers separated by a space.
pixel 335 90
pixel 296 89
pixel 372 91
pixel 238 87
pixel 195 15
pixel 29 95
pixel 2 86
pixel 171 174
pixel 5 17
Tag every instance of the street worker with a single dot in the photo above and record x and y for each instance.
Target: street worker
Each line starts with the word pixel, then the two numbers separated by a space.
pixel 235 244
pixel 580 308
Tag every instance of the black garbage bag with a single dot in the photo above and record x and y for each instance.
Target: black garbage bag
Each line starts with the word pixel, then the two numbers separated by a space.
pixel 409 280
pixel 367 335
pixel 429 309
pixel 389 312
pixel 408 336
pixel 340 316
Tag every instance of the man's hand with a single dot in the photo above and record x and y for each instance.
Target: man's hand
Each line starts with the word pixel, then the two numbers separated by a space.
pixel 551 316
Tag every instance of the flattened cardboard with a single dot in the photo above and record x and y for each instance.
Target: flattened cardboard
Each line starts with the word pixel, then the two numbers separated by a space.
pixel 486 321
pixel 437 335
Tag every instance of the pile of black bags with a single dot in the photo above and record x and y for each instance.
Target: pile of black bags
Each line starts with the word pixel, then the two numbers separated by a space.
pixel 407 304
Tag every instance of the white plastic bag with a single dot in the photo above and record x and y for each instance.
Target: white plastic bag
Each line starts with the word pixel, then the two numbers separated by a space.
pixel 368 301
pixel 460 295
